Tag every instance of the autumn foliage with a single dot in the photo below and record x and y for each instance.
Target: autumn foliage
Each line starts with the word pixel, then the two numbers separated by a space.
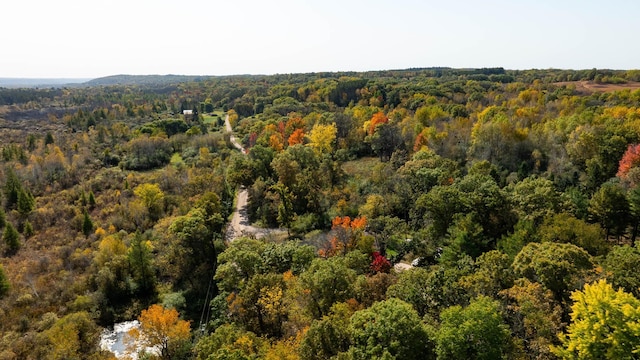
pixel 346 232
pixel 630 159
pixel 297 137
pixel 162 328
pixel 377 118
pixel 380 264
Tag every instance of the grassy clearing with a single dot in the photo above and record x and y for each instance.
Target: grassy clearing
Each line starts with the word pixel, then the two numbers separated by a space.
pixel 212 118
pixel 360 168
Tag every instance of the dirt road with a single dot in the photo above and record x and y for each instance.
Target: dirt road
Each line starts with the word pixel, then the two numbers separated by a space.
pixel 240 225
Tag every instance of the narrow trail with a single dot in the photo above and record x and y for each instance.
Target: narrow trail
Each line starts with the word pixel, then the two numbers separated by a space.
pixel 240 225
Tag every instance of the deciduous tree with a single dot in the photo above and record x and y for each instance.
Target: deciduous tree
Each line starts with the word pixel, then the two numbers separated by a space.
pixel 561 268
pixel 620 267
pixel 389 329
pixel 152 197
pixel 605 324
pixel 162 328
pixel 610 208
pixel 321 138
pixel 474 332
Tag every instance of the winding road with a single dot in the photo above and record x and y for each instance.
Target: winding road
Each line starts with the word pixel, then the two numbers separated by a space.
pixel 240 225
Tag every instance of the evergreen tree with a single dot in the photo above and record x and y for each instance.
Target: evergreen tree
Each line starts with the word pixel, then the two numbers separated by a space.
pixel 26 202
pixel 27 229
pixel 87 224
pixel 92 200
pixel 3 218
pixel 48 139
pixel 12 187
pixel 4 283
pixel 141 267
pixel 31 142
pixel 11 238
pixel 83 198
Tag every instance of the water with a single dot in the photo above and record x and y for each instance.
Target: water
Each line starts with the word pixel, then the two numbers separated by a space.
pixel 114 341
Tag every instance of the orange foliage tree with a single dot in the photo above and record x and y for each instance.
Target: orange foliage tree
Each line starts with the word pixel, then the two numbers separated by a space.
pixel 297 137
pixel 629 161
pixel 346 232
pixel 377 118
pixel 161 328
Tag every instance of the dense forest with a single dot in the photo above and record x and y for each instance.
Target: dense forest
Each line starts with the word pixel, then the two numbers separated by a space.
pixel 428 214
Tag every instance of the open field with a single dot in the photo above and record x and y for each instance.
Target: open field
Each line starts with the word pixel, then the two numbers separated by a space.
pixel 588 87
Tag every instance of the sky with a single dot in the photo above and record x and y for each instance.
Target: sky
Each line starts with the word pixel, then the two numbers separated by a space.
pixel 89 39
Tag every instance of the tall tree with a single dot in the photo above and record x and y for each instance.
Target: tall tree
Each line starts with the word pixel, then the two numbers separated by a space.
pixel 4 283
pixel 389 329
pixel 561 268
pixel 11 238
pixel 140 260
pixel 610 208
pixel 321 138
pixel 12 187
pixel 474 332
pixel 152 197
pixel 162 328
pixel 605 324
pixel 26 202
pixel 87 224
pixel 329 336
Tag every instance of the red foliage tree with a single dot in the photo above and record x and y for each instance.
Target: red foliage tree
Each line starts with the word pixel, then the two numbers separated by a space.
pixel 630 160
pixel 380 264
pixel 252 139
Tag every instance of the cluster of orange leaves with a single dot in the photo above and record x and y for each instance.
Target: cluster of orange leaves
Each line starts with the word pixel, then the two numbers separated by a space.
pixel 282 134
pixel 159 326
pixel 347 232
pixel 377 118
pixel 630 159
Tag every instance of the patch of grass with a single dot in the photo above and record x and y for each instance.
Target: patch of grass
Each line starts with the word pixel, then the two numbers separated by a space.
pixel 360 168
pixel 213 117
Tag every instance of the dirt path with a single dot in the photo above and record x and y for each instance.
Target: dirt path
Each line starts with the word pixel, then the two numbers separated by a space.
pixel 240 225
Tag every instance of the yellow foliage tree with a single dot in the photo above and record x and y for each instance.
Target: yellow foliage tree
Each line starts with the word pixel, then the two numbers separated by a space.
pixel 161 328
pixel 233 117
pixel 151 196
pixel 605 324
pixel 321 138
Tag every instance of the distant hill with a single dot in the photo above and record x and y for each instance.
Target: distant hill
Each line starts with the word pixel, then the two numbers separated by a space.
pixel 144 79
pixel 39 82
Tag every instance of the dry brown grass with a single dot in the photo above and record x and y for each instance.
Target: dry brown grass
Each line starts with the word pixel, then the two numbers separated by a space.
pixel 589 87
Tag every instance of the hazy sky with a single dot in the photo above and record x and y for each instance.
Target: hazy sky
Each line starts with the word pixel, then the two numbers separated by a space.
pixel 84 38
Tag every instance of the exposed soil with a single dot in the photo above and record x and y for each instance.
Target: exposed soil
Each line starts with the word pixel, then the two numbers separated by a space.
pixel 589 87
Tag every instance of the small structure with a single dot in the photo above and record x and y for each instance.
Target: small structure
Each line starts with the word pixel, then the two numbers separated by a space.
pixel 188 115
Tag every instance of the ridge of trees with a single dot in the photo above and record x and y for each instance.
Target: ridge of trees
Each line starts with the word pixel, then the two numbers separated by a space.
pixel 514 195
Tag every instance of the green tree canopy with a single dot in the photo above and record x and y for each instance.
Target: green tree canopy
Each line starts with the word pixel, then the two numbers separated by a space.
pixel 389 329
pixel 474 332
pixel 328 281
pixel 561 268
pixel 621 268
